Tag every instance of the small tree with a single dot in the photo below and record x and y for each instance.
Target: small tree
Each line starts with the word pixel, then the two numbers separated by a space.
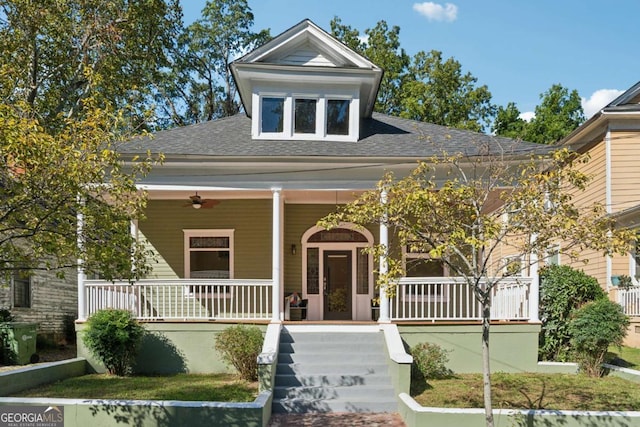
pixel 562 290
pixel 114 336
pixel 240 346
pixel 467 209
pixel 595 327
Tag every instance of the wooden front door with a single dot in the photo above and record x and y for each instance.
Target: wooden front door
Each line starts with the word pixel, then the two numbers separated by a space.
pixel 337 285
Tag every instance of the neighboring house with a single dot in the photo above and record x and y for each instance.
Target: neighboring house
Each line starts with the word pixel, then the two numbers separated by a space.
pixel 43 298
pixel 232 213
pixel 611 138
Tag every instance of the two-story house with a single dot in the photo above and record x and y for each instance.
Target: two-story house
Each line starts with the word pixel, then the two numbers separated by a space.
pixel 611 139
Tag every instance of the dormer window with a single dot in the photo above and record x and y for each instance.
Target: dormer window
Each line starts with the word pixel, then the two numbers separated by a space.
pixel 306 115
pixel 337 117
pixel 272 115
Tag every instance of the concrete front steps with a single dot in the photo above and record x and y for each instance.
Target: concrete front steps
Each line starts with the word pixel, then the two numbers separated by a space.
pixel 333 370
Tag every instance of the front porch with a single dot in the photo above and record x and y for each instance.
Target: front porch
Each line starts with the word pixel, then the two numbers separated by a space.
pixel 417 299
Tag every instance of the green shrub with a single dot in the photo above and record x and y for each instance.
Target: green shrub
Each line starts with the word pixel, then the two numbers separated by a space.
pixel 113 337
pixel 240 346
pixel 595 327
pixel 562 290
pixel 429 362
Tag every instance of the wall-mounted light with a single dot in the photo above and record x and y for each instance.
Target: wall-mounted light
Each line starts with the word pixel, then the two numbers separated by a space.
pixel 293 249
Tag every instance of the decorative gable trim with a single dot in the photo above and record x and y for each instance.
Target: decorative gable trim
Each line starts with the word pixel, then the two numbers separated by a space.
pixel 305 54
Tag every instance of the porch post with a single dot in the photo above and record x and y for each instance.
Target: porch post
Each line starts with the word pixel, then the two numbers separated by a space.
pixel 534 290
pixel 276 255
pixel 384 241
pixel 82 305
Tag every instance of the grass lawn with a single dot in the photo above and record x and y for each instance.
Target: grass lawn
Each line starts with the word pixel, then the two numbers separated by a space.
pixel 533 391
pixel 627 357
pixel 186 387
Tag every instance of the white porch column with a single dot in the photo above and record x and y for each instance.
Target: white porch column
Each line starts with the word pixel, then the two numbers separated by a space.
pixel 384 241
pixel 534 290
pixel 276 256
pixel 82 303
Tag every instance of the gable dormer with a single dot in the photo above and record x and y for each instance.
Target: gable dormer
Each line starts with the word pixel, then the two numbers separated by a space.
pixel 306 85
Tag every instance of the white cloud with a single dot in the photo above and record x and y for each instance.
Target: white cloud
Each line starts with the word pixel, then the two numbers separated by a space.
pixel 364 39
pixel 437 12
pixel 598 100
pixel 527 116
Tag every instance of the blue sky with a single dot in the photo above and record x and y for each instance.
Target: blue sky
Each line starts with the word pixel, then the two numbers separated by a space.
pixel 517 48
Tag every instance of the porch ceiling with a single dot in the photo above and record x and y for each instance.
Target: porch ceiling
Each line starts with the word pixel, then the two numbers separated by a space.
pixel 289 196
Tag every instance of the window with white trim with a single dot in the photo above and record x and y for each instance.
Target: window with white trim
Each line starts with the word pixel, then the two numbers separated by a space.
pixel 208 254
pixel 553 256
pixel 306 115
pixel 422 264
pixel 635 263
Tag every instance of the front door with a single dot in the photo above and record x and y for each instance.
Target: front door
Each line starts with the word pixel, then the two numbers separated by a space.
pixel 337 285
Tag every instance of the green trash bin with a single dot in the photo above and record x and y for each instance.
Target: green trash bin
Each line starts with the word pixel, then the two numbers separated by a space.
pixel 20 341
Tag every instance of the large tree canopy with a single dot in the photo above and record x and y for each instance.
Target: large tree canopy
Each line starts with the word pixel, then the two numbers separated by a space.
pixel 50 180
pixel 198 85
pixel 559 113
pixel 58 53
pixel 74 82
pixel 424 87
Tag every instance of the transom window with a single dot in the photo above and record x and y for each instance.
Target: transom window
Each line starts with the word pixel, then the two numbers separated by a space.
pixel 208 254
pixel 306 115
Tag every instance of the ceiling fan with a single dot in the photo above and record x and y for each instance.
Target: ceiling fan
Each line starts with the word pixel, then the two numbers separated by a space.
pixel 198 202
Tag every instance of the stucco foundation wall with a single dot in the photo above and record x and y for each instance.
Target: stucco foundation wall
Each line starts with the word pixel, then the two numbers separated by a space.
pixel 172 348
pixel 513 347
pixel 633 333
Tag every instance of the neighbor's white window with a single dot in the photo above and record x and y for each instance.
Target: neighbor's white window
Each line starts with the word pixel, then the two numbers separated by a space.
pixel 208 254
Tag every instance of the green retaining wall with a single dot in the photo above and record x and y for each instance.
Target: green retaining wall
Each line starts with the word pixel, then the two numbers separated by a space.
pixel 172 348
pixel 31 376
pixel 513 347
pixel 153 413
pixel 415 415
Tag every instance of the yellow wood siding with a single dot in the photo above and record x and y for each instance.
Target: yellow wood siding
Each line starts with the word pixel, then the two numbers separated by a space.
pixel 160 268
pixel 625 173
pixel 596 169
pixel 251 220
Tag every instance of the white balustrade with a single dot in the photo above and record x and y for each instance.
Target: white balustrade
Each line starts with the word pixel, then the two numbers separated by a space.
pixel 189 299
pixel 629 299
pixel 451 298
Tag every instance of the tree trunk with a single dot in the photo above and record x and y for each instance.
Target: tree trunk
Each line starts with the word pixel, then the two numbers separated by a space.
pixel 486 370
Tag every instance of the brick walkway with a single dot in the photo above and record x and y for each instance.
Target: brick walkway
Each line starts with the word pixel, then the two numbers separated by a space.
pixel 336 420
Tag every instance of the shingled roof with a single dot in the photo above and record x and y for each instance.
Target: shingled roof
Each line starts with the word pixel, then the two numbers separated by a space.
pixel 381 136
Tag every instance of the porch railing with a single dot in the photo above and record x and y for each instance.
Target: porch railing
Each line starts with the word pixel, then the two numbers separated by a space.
pixel 451 298
pixel 189 299
pixel 629 299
